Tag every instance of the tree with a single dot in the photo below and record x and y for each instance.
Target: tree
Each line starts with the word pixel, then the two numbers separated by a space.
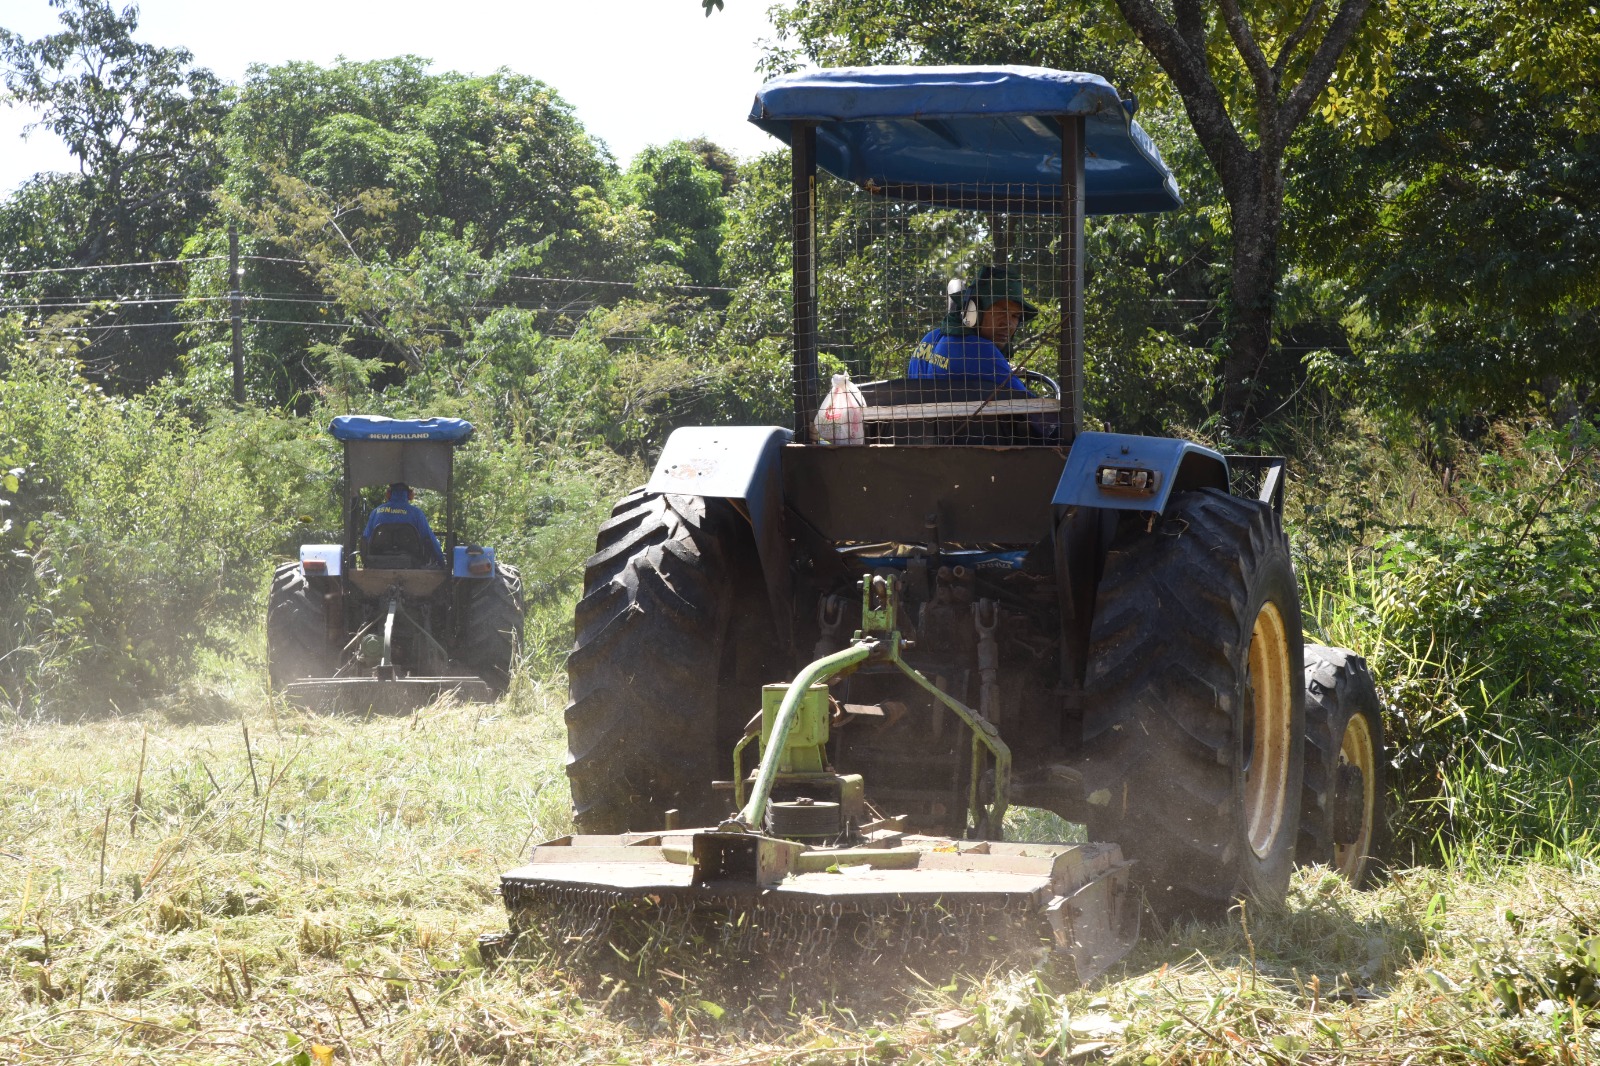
pixel 1552 47
pixel 1464 237
pixel 1247 150
pixel 141 121
pixel 143 124
pixel 684 198
pixel 714 158
pixel 407 198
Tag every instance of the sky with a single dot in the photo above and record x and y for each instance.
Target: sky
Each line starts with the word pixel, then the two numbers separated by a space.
pixel 637 72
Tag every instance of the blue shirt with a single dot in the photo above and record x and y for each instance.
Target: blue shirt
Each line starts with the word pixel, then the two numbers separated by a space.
pixel 407 513
pixel 941 355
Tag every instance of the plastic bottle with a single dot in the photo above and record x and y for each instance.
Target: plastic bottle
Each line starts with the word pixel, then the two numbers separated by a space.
pixel 840 418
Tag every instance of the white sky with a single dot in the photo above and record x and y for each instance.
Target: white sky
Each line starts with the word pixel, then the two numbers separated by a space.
pixel 637 72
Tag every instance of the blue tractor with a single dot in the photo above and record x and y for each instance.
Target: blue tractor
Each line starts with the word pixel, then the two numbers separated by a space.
pixel 394 616
pixel 973 601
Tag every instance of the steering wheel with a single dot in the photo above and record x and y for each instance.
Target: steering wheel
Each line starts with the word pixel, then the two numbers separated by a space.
pixel 1042 385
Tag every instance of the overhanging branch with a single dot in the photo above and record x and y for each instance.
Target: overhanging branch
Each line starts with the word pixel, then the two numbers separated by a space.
pixel 1265 78
pixel 1184 61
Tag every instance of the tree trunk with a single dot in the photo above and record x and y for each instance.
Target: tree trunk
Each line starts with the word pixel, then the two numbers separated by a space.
pixel 1257 211
pixel 1177 35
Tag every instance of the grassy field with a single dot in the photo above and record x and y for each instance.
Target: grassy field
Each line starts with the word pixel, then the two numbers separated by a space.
pixel 225 880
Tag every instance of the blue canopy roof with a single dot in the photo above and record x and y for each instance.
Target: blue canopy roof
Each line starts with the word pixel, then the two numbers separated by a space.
pixel 377 427
pixel 964 136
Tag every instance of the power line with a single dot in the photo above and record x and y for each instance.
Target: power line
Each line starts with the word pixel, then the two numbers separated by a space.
pixel 126 325
pixel 108 266
pixel 80 305
pixel 617 284
pixel 303 262
pixel 112 305
pixel 543 279
pixel 159 299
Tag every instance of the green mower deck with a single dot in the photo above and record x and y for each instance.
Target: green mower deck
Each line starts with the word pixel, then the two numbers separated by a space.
pixel 886 894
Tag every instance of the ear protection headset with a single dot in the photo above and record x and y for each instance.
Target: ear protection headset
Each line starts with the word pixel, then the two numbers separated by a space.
pixel 958 295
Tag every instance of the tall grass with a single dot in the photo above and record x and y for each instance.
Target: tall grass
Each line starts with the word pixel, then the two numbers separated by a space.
pixel 1475 595
pixel 1518 790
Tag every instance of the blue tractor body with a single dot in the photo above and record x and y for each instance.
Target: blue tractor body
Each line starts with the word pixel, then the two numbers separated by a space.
pixel 380 622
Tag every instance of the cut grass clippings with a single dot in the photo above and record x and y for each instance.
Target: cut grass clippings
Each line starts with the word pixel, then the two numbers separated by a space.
pixel 318 898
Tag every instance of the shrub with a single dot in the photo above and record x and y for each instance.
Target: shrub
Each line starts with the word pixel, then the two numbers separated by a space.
pixel 131 538
pixel 1482 622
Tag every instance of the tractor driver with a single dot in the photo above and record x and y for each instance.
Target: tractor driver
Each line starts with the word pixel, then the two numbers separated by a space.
pixel 399 510
pixel 975 338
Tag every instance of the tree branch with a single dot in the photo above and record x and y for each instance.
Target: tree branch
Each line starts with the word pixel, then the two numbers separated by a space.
pixel 1180 49
pixel 1303 95
pixel 1296 37
pixel 1265 77
pixel 1190 22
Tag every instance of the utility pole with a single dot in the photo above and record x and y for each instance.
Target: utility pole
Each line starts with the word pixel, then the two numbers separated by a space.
pixel 236 311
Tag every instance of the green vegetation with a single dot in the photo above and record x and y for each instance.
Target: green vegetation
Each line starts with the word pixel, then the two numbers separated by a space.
pixel 1470 585
pixel 224 880
pixel 421 242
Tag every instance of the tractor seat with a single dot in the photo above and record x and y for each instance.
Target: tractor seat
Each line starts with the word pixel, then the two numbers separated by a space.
pixel 394 546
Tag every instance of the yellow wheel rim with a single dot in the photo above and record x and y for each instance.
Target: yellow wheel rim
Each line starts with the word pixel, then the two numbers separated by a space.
pixel 1357 749
pixel 1269 732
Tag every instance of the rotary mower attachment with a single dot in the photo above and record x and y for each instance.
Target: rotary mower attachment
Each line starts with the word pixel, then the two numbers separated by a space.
pixel 371 682
pixel 803 871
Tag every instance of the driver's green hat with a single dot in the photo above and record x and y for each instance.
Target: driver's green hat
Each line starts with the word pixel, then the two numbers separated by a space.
pixel 995 283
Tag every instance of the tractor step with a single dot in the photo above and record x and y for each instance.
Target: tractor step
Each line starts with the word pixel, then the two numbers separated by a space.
pixel 367 695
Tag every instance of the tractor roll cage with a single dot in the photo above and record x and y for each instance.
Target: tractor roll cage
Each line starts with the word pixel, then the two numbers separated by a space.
pixel 960 137
pixel 381 451
pixel 1069 290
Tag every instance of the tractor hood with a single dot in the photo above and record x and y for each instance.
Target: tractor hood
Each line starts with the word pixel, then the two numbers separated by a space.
pixel 961 136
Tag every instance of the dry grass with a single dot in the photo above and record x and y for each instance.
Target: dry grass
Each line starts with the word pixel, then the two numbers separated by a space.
pixel 319 900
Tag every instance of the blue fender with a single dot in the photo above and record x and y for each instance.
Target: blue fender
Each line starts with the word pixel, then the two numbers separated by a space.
pixel 1123 472
pixel 742 463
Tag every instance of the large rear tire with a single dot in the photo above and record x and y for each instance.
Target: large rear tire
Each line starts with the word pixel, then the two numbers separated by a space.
pixel 1344 817
pixel 297 630
pixel 673 641
pixel 1193 704
pixel 491 630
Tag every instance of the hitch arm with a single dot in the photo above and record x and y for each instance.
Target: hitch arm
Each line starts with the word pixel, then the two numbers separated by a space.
pixel 829 666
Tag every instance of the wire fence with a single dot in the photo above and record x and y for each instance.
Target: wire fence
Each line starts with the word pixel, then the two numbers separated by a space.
pixel 948 317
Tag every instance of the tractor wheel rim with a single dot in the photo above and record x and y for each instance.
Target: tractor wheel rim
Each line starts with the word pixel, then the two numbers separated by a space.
pixel 1357 749
pixel 1268 733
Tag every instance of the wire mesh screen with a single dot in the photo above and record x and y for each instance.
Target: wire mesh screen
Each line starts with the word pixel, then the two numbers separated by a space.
pixel 947 319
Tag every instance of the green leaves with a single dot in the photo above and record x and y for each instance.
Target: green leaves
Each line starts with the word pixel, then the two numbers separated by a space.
pixel 1462 239
pixel 137 537
pixel 683 197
